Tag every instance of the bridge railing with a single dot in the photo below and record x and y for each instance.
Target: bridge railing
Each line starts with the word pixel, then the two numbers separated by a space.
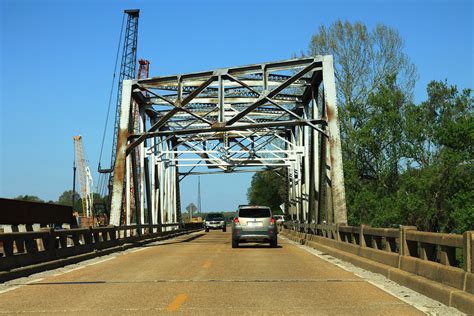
pixel 452 250
pixel 19 249
pixel 441 257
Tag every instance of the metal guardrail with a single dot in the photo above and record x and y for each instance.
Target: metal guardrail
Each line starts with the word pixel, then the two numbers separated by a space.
pixel 20 249
pixel 453 250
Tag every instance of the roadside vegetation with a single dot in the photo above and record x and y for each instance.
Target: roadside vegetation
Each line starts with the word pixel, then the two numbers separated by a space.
pixel 404 163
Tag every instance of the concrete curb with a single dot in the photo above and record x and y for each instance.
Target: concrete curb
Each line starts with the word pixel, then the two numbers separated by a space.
pixel 447 295
pixel 50 265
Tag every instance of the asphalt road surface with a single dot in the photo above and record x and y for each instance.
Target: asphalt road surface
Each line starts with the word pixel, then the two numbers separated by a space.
pixel 202 274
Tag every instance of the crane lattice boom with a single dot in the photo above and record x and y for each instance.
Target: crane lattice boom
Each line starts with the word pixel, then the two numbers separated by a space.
pixel 85 177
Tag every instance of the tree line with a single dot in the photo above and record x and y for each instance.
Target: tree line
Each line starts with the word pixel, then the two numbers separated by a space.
pixel 404 163
pixel 65 199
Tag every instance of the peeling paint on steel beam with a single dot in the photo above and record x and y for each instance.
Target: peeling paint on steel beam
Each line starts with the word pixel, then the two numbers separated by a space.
pixel 335 150
pixel 119 165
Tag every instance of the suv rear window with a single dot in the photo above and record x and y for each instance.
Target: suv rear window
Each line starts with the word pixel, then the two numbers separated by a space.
pixel 214 217
pixel 254 212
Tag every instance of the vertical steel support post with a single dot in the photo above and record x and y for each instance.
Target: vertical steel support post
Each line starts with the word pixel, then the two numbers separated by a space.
pixel 149 201
pixel 127 193
pixel 142 167
pixel 307 180
pixel 337 172
pixel 157 196
pixel 137 196
pixel 173 189
pixel 161 184
pixel 322 201
pixel 299 170
pixel 120 157
pixel 313 167
pixel 152 182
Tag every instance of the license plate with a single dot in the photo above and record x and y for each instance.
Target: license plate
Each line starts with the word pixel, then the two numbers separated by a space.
pixel 254 224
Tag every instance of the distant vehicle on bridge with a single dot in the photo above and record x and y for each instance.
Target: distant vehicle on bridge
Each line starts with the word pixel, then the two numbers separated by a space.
pixel 254 224
pixel 215 221
pixel 280 219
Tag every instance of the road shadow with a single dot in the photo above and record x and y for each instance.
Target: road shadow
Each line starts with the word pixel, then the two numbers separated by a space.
pixel 189 239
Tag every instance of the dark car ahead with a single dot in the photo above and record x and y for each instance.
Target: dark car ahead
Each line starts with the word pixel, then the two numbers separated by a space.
pixel 254 224
pixel 214 221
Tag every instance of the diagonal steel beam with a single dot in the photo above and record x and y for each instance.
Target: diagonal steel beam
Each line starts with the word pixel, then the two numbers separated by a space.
pixel 272 93
pixel 179 104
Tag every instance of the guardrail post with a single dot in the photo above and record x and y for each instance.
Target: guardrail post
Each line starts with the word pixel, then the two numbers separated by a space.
pixel 49 243
pixel 30 244
pixel 96 235
pixel 8 247
pixel 406 248
pixel 62 239
pixel 75 239
pixel 338 234
pixel 468 251
pixel 19 242
pixel 361 236
pixel 427 251
pixel 113 233
pixel 448 255
pixel 88 239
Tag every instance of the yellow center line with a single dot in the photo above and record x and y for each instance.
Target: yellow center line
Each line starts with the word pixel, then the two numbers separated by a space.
pixel 176 304
pixel 207 264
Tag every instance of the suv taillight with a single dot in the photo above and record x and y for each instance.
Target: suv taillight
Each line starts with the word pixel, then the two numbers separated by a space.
pixel 236 221
pixel 272 221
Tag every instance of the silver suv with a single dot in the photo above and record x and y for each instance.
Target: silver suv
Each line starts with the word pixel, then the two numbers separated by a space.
pixel 214 221
pixel 254 224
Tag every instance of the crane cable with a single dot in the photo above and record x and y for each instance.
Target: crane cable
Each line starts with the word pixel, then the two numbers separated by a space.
pixel 101 183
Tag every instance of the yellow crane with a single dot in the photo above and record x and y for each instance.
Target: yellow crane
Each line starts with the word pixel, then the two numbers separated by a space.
pixel 85 177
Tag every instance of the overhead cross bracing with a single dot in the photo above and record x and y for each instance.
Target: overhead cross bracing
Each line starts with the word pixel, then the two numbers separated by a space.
pixel 280 116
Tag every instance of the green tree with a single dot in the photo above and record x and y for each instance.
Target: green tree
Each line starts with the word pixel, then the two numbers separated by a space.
pixel 31 198
pixel 267 188
pixel 374 79
pixel 66 199
pixel 373 177
pixel 363 59
pixel 438 186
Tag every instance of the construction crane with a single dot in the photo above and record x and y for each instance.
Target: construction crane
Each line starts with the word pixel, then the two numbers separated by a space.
pixel 127 71
pixel 85 177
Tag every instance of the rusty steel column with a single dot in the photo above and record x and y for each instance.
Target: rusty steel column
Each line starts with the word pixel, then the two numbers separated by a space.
pixel 120 157
pixel 337 173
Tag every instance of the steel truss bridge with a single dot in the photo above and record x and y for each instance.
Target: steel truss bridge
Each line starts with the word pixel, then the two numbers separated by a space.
pixel 279 116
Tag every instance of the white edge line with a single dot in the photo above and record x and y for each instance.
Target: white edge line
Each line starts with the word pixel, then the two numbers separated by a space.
pixel 71 270
pixel 97 262
pixel 10 289
pixel 21 285
pixel 137 250
pixel 34 281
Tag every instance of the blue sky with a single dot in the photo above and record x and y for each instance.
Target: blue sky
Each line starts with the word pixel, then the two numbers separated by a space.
pixel 57 60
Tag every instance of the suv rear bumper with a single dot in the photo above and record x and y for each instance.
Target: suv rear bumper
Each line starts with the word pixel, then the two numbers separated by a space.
pixel 250 236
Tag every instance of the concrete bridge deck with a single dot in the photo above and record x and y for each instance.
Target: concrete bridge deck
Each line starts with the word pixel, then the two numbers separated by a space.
pixel 201 274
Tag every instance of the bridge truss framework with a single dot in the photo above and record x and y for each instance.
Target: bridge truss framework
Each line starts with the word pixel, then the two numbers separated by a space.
pixel 279 116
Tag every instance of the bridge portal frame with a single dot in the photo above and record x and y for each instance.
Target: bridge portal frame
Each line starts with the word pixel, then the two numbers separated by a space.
pixel 280 116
